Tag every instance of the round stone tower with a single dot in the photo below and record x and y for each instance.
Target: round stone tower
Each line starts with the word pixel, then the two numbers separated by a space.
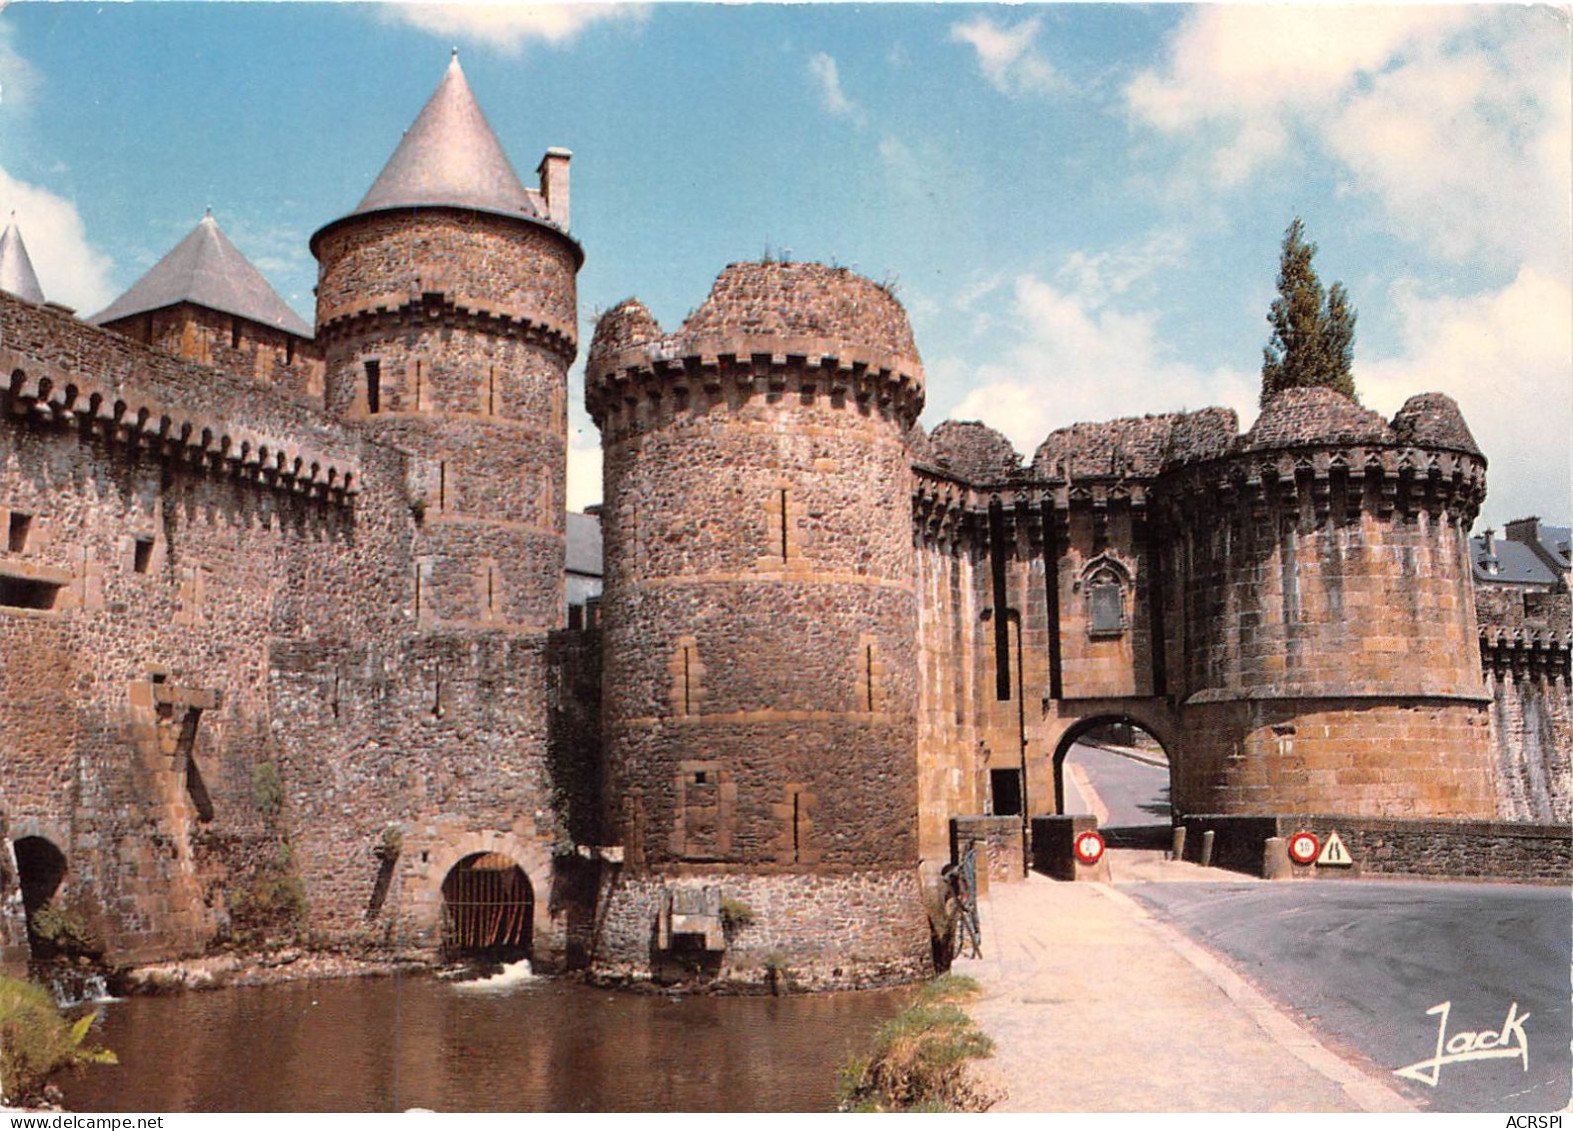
pixel 760 631
pixel 446 310
pixel 447 307
pixel 1321 612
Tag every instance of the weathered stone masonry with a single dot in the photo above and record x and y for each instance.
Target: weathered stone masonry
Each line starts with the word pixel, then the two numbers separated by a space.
pixel 284 611
pixel 760 618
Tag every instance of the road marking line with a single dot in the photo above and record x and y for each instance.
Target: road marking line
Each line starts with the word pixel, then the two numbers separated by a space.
pixel 1089 794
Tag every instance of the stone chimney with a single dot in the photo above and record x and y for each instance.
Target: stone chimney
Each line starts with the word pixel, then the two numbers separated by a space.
pixel 553 172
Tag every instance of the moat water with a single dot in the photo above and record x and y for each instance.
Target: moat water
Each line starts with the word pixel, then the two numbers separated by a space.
pixel 394 1043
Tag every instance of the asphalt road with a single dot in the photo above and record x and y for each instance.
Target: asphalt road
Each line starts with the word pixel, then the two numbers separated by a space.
pixel 1360 963
pixel 1136 794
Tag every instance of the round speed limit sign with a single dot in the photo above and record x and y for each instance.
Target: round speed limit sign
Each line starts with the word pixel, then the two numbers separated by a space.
pixel 1304 847
pixel 1089 848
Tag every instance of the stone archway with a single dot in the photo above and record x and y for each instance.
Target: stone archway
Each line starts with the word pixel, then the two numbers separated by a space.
pixel 1128 778
pixel 41 869
pixel 488 907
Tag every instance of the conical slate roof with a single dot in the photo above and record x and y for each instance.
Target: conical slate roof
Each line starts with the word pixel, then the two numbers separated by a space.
pixel 16 269
pixel 207 270
pixel 449 157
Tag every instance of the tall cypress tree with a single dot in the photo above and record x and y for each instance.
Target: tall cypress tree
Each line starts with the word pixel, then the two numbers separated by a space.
pixel 1313 332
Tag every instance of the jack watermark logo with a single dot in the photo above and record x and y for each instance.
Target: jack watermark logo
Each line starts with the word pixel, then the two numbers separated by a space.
pixel 1506 1043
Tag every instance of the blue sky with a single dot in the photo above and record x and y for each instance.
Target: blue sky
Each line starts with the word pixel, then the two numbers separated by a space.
pixel 1080 205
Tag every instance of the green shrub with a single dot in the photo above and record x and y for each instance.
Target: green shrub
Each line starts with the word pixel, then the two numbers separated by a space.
pixel 66 931
pixel 273 899
pixel 735 915
pixel 390 844
pixel 37 1042
pixel 919 1057
pixel 267 788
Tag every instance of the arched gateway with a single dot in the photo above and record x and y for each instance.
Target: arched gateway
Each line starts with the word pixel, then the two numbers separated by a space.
pixel 41 869
pixel 488 906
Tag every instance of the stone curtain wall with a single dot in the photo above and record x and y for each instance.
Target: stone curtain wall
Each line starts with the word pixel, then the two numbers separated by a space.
pixel 805 932
pixel 137 709
pixel 1524 644
pixel 1437 849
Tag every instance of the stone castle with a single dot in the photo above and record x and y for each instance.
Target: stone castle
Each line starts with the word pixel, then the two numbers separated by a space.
pixel 285 641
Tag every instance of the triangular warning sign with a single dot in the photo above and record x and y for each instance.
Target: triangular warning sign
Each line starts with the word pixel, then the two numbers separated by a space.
pixel 1334 854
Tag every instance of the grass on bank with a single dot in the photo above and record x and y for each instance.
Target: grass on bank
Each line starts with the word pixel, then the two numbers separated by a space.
pixel 37 1043
pixel 919 1060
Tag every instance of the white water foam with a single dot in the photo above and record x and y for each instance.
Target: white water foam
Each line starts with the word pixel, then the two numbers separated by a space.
pixel 511 976
pixel 74 990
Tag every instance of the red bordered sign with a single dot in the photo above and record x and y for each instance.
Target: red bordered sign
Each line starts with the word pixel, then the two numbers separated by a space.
pixel 1089 848
pixel 1304 848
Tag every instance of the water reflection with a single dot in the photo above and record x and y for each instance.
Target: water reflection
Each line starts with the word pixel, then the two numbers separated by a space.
pixel 388 1044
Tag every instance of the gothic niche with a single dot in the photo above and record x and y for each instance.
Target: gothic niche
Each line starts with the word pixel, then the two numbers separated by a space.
pixel 1104 584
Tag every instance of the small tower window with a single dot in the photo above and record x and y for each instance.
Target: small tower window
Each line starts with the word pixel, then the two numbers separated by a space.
pixel 234 333
pixel 17 531
pixel 289 351
pixel 871 671
pixel 374 386
pixel 687 673
pixel 141 555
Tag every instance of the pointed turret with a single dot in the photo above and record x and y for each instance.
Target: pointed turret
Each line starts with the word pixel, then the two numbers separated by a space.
pixel 451 157
pixel 448 318
pixel 16 269
pixel 206 269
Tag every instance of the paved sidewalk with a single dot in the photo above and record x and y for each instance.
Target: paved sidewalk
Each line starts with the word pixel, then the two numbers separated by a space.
pixel 1096 1006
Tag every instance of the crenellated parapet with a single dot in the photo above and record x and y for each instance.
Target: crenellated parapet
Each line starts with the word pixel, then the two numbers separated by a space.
pixel 843 339
pixel 1316 453
pixel 1525 633
pixel 129 402
pixel 398 312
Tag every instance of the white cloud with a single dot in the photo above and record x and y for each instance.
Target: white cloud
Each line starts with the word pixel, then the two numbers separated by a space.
pixel 1467 151
pixel 1101 276
pixel 1238 61
pixel 508 27
pixel 1506 356
pixel 1080 358
pixel 1455 120
pixel 823 68
pixel 1009 57
pixel 18 78
pixel 70 270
